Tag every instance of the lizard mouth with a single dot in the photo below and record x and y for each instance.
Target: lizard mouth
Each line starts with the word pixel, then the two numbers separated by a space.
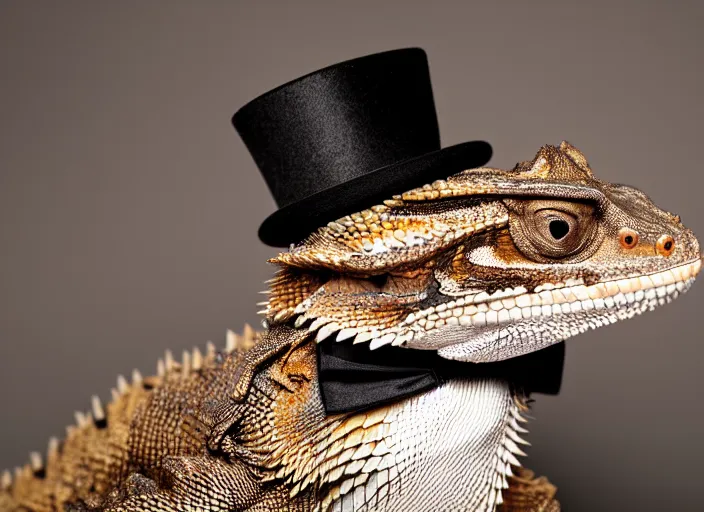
pixel 472 327
pixel 512 305
pixel 505 328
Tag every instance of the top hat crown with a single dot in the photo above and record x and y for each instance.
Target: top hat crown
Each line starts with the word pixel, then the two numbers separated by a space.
pixel 344 138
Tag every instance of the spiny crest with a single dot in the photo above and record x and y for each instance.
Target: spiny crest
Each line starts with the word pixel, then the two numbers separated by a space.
pixel 509 451
pixel 97 417
pixel 289 288
pixel 563 163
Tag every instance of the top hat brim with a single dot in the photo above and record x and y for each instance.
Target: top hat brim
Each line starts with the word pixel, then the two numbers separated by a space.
pixel 294 222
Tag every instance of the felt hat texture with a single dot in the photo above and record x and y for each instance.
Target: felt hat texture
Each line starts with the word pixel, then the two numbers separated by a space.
pixel 345 138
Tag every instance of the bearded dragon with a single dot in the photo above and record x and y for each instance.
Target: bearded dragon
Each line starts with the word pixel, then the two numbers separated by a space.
pixel 484 266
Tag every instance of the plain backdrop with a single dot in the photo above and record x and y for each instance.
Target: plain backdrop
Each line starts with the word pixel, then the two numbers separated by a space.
pixel 129 206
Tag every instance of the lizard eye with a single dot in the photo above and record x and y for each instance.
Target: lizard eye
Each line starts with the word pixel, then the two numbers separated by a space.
pixel 556 233
pixel 549 229
pixel 559 229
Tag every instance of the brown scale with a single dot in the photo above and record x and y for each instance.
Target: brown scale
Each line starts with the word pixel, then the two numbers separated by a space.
pixel 360 310
pixel 434 226
pixel 272 342
pixel 527 492
pixel 364 303
pixel 303 456
pixel 490 279
pixel 288 289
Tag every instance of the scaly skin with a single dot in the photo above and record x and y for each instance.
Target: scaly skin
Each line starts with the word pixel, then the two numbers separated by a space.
pixel 172 442
pixel 484 266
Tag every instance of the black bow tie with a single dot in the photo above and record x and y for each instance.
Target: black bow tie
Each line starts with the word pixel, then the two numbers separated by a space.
pixel 353 378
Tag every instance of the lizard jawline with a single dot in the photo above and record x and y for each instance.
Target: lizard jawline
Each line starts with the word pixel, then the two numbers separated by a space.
pixel 461 322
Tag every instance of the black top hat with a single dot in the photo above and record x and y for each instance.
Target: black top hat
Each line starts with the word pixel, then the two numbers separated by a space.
pixel 346 137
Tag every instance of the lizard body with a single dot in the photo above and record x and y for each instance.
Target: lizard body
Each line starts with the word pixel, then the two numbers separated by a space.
pixel 278 445
pixel 484 266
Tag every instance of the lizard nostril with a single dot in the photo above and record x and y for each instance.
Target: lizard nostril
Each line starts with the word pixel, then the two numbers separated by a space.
pixel 665 245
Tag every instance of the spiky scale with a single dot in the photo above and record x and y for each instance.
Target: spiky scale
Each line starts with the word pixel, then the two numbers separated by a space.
pixel 168 360
pixel 513 448
pixel 53 447
pixel 230 341
pixel 160 368
pixel 516 438
pixel 380 341
pixel 317 324
pixel 97 408
pixel 326 331
pixel 185 364
pixel 81 419
pixel 249 335
pixel 346 333
pixel 122 385
pixel 197 359
pixel 5 480
pixel 511 459
pixel 363 337
pixel 35 461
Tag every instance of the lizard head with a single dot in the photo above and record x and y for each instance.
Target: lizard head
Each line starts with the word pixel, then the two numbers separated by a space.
pixel 488 264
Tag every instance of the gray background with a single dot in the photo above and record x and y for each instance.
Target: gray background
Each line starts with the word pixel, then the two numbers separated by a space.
pixel 129 207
